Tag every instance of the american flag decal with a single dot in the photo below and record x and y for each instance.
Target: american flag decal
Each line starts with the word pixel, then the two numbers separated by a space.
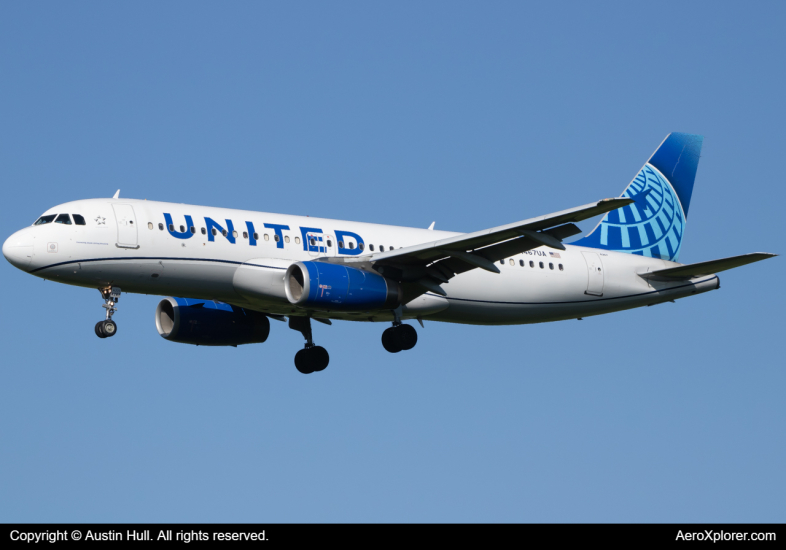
pixel 554 254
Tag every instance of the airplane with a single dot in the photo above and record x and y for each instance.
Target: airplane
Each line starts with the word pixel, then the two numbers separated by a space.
pixel 240 268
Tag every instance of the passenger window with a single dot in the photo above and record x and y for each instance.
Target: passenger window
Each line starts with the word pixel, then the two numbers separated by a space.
pixel 531 263
pixel 45 219
pixel 193 230
pixel 182 229
pixel 160 226
pixel 371 247
pixel 267 237
pixel 297 240
pixel 381 248
pixel 286 239
pixel 540 264
pixel 560 267
pixel 224 232
pixel 79 220
pixel 341 244
pixel 204 231
pixel 256 236
pixel 512 262
pixel 551 265
pixel 149 225
pixel 213 231
pixel 276 238
pixel 65 219
pixel 521 263
pixel 171 227
pixel 502 261
pixel 361 246
pixel 351 246
pixel 245 234
pixel 234 234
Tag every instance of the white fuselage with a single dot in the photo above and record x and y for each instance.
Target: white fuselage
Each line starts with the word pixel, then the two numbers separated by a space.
pixel 128 243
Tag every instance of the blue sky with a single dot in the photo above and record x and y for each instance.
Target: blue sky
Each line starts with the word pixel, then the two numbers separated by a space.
pixel 470 114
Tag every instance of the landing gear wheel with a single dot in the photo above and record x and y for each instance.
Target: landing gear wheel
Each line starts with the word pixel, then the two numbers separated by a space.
pixel 312 359
pixel 407 336
pixel 399 338
pixel 320 358
pixel 390 342
pixel 109 328
pixel 302 361
pixel 99 332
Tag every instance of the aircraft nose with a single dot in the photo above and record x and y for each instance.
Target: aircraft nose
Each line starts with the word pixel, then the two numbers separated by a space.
pixel 18 249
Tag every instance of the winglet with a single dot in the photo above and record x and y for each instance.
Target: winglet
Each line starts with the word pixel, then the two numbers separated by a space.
pixel 116 195
pixel 431 227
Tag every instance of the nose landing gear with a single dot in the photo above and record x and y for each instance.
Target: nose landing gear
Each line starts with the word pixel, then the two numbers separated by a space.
pixel 107 327
pixel 311 358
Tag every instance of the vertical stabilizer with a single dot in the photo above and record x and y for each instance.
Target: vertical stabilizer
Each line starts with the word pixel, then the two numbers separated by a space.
pixel 654 224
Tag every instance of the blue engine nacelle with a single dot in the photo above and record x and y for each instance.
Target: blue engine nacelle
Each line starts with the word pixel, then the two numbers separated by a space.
pixel 337 287
pixel 208 323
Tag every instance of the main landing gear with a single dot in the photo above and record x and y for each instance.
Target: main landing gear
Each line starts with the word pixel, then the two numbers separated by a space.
pixel 107 327
pixel 311 358
pixel 399 337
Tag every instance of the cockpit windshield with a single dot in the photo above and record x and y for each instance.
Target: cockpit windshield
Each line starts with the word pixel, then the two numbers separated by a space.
pixel 45 219
pixel 64 219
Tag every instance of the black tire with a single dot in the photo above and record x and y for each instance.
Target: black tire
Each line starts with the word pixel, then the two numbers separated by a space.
pixel 407 336
pixel 99 332
pixel 389 340
pixel 303 361
pixel 109 328
pixel 319 358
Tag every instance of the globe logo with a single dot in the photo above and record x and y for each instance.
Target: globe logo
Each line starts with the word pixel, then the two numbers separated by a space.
pixel 653 225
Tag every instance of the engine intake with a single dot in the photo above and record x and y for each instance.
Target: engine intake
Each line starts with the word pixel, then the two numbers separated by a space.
pixel 337 287
pixel 208 323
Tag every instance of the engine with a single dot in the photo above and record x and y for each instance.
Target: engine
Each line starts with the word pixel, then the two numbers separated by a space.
pixel 337 287
pixel 208 323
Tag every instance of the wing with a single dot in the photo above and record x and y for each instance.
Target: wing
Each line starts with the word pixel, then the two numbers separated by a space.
pixel 430 264
pixel 700 269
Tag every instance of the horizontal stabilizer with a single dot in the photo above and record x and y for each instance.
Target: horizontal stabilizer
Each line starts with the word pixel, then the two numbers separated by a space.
pixel 705 268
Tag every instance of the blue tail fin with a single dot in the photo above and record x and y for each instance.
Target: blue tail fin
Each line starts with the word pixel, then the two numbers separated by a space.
pixel 654 224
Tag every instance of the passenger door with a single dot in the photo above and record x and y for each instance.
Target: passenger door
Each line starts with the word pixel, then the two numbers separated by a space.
pixel 594 274
pixel 126 226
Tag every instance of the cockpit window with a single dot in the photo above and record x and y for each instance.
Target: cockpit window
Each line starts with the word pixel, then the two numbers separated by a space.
pixel 45 219
pixel 65 219
pixel 78 220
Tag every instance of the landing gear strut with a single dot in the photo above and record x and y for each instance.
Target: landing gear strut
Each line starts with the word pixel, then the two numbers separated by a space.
pixel 399 337
pixel 311 358
pixel 107 327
